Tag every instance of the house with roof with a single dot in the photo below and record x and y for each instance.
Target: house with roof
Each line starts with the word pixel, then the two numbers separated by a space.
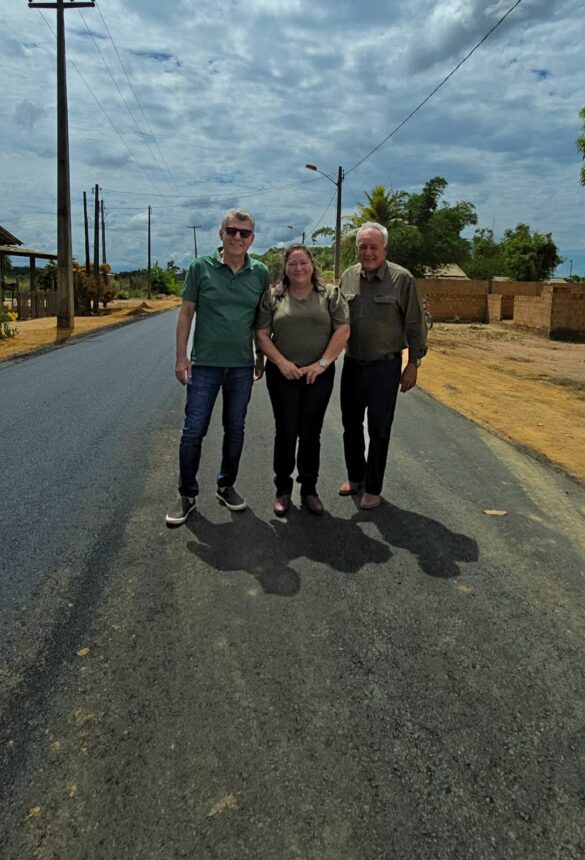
pixel 35 306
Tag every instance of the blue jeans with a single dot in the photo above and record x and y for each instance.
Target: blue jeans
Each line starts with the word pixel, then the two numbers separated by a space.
pixel 236 387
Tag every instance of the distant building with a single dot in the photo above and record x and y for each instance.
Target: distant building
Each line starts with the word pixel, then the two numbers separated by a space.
pixel 451 270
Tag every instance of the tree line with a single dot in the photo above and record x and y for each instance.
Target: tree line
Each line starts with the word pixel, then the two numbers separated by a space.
pixel 425 234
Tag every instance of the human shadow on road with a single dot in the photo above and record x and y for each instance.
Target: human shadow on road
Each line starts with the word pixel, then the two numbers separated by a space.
pixel 265 549
pixel 437 549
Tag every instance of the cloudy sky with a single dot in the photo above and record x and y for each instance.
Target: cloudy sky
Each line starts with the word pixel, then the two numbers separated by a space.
pixel 194 107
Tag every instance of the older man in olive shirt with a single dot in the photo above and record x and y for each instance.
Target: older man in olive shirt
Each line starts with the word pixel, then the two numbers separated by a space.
pixel 386 316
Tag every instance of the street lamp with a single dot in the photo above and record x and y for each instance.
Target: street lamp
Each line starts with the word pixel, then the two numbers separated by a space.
pixel 338 184
pixel 290 227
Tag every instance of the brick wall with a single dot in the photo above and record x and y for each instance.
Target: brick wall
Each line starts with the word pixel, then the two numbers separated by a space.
pixel 517 288
pixel 451 298
pixel 500 308
pixel 533 312
pixel 559 312
pixel 554 310
pixel 567 311
pixel 435 286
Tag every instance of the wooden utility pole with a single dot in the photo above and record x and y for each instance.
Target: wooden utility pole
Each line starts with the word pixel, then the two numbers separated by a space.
pixel 339 183
pixel 104 260
pixel 86 233
pixel 66 309
pixel 96 247
pixel 149 261
pixel 195 227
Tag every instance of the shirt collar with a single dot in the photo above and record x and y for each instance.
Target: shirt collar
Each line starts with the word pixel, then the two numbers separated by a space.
pixel 378 274
pixel 218 261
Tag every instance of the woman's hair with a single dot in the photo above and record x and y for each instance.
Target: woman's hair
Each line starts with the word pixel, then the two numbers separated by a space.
pixel 315 279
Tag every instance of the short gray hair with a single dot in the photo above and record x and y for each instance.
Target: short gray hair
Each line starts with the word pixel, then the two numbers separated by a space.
pixel 373 225
pixel 239 215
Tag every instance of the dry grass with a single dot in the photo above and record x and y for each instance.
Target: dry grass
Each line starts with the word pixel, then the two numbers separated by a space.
pixel 33 335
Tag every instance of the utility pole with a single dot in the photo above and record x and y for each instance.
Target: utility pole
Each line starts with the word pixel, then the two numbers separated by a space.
pixel 66 311
pixel 149 260
pixel 96 247
pixel 104 260
pixel 340 177
pixel 86 233
pixel 339 185
pixel 195 227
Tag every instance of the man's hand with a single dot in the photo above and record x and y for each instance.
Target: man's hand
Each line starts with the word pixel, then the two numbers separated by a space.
pixel 408 378
pixel 183 370
pixel 259 367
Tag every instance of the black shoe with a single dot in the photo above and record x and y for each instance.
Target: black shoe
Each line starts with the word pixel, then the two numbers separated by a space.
pixel 313 504
pixel 181 511
pixel 281 504
pixel 232 500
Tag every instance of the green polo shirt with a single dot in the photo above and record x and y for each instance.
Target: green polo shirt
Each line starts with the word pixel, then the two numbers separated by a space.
pixel 225 309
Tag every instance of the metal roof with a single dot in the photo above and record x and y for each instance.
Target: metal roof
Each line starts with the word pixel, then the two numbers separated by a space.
pixel 19 251
pixel 7 238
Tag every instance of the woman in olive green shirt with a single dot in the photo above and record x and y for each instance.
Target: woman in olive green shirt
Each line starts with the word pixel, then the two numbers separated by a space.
pixel 301 328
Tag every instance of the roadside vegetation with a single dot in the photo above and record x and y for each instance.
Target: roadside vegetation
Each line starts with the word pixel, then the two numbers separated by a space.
pixel 426 233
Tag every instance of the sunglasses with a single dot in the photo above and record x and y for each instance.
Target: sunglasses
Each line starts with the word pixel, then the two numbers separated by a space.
pixel 233 231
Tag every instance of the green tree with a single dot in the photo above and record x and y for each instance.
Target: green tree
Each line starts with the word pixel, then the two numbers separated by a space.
pixel 424 231
pixel 485 256
pixel 382 206
pixel 163 281
pixel 581 144
pixel 529 256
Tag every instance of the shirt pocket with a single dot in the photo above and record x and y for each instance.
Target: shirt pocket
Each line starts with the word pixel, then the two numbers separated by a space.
pixel 385 300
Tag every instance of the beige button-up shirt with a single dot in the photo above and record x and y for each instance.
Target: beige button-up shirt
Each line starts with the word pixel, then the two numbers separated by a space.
pixel 386 313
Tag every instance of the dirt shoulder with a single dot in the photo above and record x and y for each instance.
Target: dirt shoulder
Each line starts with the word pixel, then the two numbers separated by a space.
pixel 42 333
pixel 525 388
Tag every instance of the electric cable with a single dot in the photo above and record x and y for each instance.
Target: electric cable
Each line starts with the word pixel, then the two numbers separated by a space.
pixel 438 87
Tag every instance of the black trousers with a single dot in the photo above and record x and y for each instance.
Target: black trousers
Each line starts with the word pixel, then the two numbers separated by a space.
pixel 372 387
pixel 299 411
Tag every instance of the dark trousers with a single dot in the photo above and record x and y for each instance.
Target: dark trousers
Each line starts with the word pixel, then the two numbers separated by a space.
pixel 299 411
pixel 372 387
pixel 235 383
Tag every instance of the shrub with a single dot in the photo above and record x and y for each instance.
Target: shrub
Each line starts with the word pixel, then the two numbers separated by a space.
pixel 7 327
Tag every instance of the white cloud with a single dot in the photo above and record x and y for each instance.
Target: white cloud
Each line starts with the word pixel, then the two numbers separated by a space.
pixel 238 98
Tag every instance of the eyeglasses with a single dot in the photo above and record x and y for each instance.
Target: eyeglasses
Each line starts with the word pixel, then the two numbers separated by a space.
pixel 233 231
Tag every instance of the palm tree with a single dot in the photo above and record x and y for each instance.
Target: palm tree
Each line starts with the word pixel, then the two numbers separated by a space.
pixel 383 206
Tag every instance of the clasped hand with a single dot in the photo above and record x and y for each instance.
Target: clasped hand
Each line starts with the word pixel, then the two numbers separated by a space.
pixel 310 372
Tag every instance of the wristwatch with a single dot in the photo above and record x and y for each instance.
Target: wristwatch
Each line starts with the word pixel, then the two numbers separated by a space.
pixel 323 362
pixel 416 361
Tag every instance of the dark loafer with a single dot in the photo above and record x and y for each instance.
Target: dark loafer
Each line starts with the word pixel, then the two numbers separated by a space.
pixel 313 504
pixel 280 505
pixel 349 488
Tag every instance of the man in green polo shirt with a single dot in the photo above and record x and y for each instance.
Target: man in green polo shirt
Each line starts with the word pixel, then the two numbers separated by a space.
pixel 223 290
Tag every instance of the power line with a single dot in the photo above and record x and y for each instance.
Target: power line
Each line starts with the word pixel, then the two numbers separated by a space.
pixel 95 98
pixel 206 197
pixel 438 87
pixel 114 81
pixel 135 96
pixel 312 230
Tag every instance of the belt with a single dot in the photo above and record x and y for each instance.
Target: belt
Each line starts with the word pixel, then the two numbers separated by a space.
pixel 390 356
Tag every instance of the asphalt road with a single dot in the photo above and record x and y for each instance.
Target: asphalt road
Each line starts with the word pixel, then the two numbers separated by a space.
pixel 403 683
